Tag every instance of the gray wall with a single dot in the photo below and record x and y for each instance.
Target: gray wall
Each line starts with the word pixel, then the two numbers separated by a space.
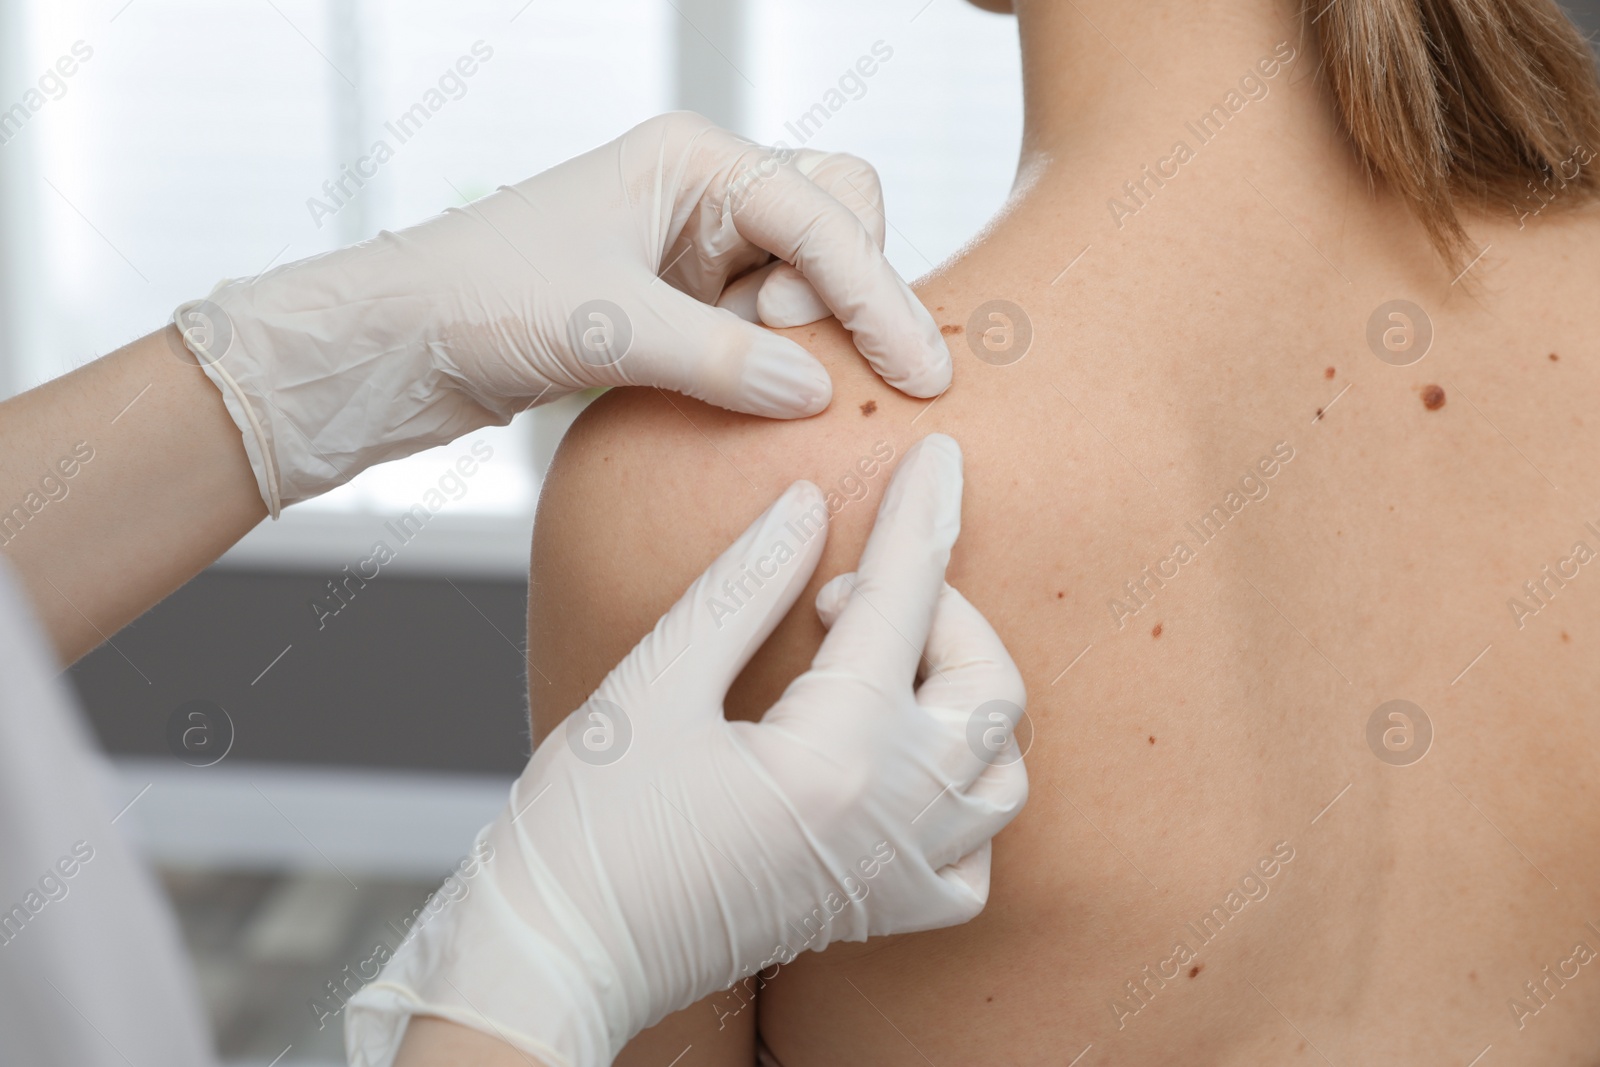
pixel 1586 13
pixel 413 673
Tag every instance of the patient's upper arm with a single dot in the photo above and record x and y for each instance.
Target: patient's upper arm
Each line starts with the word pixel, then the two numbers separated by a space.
pixel 638 502
pixel 646 490
pixel 649 487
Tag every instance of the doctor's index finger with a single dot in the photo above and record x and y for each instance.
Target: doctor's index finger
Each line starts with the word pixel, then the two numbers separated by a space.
pixel 776 207
pixel 884 626
pixel 965 664
pixel 786 298
pixel 850 180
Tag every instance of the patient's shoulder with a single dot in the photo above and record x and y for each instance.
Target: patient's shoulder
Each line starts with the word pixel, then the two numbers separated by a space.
pixel 648 487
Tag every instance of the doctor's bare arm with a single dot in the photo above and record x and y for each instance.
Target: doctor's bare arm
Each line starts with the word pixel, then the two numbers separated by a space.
pixel 435 1042
pixel 118 483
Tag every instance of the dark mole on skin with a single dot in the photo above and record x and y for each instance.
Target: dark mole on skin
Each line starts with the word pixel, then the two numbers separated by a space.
pixel 1319 414
pixel 951 327
pixel 1564 636
pixel 1196 969
pixel 1152 739
pixel 1157 631
pixel 1060 595
pixel 1328 373
pixel 1432 397
pixel 1554 358
pixel 988 1000
pixel 869 407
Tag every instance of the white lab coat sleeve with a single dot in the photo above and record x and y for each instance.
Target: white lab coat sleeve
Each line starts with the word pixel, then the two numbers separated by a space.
pixel 92 970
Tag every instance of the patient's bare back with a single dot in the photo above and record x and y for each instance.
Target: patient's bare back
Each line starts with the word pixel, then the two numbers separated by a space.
pixel 1297 544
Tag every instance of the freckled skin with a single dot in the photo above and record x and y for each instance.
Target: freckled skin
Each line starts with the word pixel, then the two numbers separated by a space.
pixel 1400 887
pixel 1432 397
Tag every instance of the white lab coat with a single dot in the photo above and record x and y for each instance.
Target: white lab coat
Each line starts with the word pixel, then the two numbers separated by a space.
pixel 92 970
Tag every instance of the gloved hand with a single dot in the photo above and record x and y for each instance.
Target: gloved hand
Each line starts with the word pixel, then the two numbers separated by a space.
pixel 653 852
pixel 601 271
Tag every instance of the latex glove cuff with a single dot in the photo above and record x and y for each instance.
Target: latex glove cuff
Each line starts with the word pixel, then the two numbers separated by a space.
pixel 546 988
pixel 310 427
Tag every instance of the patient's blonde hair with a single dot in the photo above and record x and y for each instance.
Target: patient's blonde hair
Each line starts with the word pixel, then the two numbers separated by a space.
pixel 1483 105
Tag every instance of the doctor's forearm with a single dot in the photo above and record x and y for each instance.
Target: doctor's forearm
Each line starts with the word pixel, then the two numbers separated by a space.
pixel 435 1042
pixel 118 483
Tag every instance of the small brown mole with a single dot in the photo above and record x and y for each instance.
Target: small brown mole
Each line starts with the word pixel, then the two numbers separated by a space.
pixel 1319 415
pixel 1328 373
pixel 1061 595
pixel 1196 969
pixel 869 407
pixel 1554 358
pixel 939 308
pixel 1432 397
pixel 1157 631
pixel 1152 739
pixel 952 327
pixel 988 1000
pixel 1565 636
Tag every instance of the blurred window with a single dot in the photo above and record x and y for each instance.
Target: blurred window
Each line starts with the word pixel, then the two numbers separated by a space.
pixel 193 141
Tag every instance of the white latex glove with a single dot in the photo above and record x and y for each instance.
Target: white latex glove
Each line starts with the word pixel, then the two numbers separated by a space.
pixel 601 271
pixel 653 852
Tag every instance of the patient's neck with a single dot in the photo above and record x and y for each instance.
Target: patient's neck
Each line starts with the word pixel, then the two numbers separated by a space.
pixel 1124 96
pixel 1105 76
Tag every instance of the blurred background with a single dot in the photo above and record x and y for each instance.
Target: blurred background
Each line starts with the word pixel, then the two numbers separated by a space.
pixel 343 768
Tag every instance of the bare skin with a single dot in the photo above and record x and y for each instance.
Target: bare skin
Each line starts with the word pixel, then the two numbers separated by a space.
pixel 165 489
pixel 435 1042
pixel 1218 724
